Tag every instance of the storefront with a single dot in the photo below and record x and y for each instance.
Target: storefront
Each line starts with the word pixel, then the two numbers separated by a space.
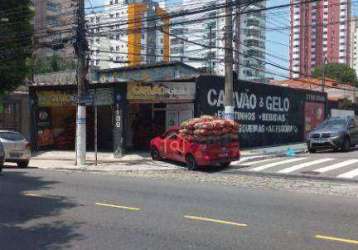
pixel 154 107
pixel 268 115
pixel 54 117
pixel 129 114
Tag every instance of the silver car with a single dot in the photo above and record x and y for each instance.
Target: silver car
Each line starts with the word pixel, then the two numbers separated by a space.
pixel 2 156
pixel 17 148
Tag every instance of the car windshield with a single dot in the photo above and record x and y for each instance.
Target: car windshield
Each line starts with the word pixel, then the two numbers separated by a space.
pixel 11 136
pixel 333 124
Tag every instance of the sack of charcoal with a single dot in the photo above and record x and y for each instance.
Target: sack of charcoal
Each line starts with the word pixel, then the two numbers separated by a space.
pixel 209 129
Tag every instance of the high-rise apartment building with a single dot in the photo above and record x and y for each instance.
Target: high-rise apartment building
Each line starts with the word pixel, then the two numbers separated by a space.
pixel 54 26
pixel 319 30
pixel 128 33
pixel 207 28
pixel 177 29
pixel 354 44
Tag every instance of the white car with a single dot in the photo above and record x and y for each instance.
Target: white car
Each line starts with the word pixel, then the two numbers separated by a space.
pixel 17 148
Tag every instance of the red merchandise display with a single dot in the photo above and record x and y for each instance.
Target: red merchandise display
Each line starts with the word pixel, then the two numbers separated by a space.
pixel 209 129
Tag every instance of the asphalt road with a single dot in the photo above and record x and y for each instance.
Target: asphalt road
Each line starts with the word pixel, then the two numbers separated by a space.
pixel 61 210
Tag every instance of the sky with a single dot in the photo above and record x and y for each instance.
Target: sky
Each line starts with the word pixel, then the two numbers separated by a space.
pixel 277 42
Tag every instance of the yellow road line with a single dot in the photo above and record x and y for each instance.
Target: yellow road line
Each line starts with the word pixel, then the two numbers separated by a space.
pixel 33 195
pixel 214 220
pixel 323 237
pixel 117 206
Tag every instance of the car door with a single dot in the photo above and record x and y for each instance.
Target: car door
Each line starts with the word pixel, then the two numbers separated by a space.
pixel 179 149
pixel 353 130
pixel 170 145
pixel 9 145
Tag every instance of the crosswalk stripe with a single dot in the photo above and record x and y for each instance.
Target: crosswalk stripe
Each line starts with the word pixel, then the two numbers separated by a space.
pixel 303 165
pixel 349 175
pixel 336 166
pixel 255 162
pixel 247 158
pixel 274 164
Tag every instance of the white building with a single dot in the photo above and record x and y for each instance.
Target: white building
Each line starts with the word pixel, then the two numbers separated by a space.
pixel 125 34
pixel 208 28
pixel 354 44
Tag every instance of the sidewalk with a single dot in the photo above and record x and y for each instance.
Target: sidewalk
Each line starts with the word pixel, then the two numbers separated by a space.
pixel 141 161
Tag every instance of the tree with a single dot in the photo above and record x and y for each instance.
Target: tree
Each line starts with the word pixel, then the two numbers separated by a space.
pixel 15 43
pixel 342 73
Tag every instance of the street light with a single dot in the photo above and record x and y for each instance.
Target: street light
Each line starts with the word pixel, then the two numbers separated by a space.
pixel 4 19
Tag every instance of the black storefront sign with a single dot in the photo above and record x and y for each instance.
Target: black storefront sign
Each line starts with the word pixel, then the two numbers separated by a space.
pixel 268 115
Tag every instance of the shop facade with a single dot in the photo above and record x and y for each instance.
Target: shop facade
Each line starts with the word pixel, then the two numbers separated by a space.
pixel 268 114
pixel 129 114
pixel 154 107
pixel 54 117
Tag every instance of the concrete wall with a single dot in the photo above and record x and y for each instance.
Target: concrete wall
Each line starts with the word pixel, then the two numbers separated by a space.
pixel 21 117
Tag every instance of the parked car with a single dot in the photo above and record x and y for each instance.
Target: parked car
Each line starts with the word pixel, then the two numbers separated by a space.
pixel 172 146
pixel 2 157
pixel 17 148
pixel 338 133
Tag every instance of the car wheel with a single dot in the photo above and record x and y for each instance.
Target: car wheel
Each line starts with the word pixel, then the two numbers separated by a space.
pixel 335 149
pixel 191 163
pixel 312 150
pixel 155 154
pixel 23 164
pixel 225 164
pixel 346 145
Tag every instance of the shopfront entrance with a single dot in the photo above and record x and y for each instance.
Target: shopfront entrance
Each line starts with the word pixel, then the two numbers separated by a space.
pixel 55 120
pixel 153 108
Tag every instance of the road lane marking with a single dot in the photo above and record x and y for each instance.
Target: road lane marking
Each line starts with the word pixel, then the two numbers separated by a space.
pixel 303 165
pixel 274 164
pixel 256 162
pixel 117 206
pixel 336 166
pixel 349 175
pixel 197 218
pixel 32 195
pixel 349 241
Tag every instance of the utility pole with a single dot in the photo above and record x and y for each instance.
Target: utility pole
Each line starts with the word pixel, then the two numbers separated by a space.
pixel 325 60
pixel 228 97
pixel 237 37
pixel 81 47
pixel 210 46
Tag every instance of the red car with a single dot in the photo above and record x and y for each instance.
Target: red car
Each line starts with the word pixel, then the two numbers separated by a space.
pixel 172 146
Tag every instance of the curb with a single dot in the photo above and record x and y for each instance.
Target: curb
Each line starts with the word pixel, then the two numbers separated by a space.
pixel 85 170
